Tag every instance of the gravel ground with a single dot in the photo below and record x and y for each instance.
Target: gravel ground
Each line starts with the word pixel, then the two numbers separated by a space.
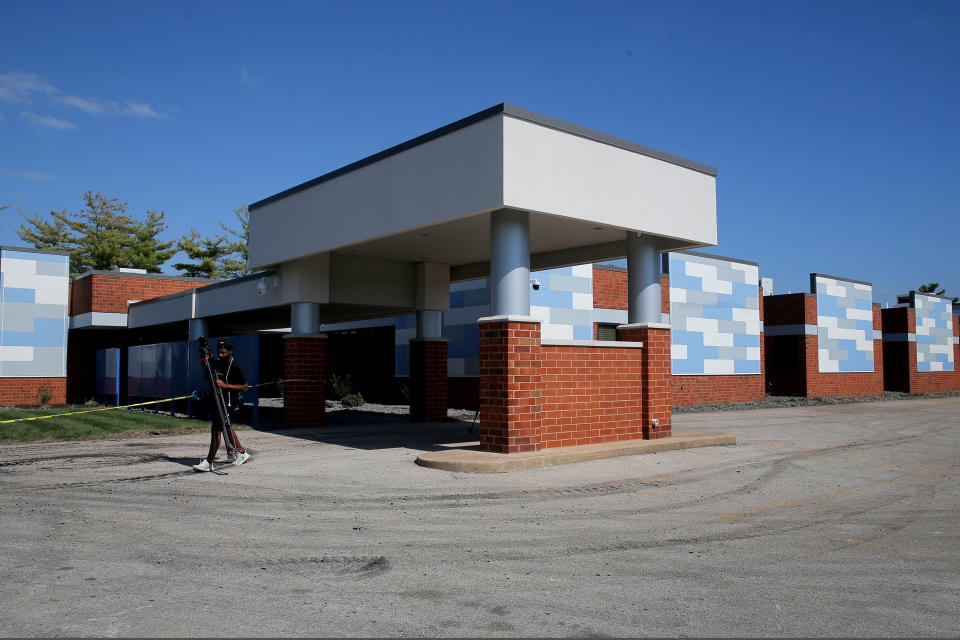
pixel 824 521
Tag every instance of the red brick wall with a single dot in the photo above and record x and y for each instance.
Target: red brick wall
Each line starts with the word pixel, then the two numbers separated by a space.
pixel 690 390
pixel 25 392
pixel 304 401
pixel 609 289
pixel 535 396
pixel 901 358
pixel 590 395
pixel 109 293
pixel 428 380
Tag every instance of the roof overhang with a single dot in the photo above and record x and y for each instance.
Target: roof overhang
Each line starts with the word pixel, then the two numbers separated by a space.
pixel 430 199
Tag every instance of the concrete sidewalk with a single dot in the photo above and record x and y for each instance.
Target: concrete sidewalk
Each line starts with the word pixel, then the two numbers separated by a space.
pixel 472 460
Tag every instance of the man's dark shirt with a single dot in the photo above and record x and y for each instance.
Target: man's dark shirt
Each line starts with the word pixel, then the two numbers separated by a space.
pixel 230 372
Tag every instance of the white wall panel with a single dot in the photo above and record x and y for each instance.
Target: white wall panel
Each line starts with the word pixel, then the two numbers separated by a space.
pixel 555 172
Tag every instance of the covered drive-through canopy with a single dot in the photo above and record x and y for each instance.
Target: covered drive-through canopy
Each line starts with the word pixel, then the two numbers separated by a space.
pixel 387 234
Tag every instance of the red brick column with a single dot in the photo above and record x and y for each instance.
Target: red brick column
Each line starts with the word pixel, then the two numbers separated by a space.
pixel 305 369
pixel 657 384
pixel 428 379
pixel 510 396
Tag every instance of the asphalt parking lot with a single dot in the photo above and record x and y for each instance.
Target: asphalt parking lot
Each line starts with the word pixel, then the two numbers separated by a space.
pixel 821 521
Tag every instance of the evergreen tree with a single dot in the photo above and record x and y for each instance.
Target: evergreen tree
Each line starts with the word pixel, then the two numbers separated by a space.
pixel 46 234
pixel 220 256
pixel 934 288
pixel 207 255
pixel 146 250
pixel 101 236
pixel 235 264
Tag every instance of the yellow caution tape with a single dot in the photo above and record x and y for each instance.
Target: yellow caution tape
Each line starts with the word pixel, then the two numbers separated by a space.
pixel 73 413
pixel 137 404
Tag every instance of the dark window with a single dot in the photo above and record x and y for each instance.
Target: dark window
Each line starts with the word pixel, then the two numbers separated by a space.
pixel 606 331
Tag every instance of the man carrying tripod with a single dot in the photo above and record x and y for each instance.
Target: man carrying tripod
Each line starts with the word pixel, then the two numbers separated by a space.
pixel 231 380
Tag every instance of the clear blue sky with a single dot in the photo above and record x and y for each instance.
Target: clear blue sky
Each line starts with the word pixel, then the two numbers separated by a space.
pixel 834 125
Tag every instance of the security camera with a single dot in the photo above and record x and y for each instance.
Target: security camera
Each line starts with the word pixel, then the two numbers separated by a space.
pixel 262 286
pixel 535 284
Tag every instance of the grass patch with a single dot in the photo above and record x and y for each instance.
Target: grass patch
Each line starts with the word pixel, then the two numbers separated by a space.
pixel 85 426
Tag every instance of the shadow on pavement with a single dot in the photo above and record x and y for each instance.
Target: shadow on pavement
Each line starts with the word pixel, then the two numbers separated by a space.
pixel 367 429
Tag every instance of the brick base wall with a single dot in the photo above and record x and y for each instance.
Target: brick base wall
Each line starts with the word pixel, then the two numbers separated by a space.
pixel 535 396
pixel 25 392
pixel 305 361
pixel 689 390
pixel 590 395
pixel 934 381
pixel 428 379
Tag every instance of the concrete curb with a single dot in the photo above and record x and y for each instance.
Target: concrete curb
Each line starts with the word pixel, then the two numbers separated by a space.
pixel 474 461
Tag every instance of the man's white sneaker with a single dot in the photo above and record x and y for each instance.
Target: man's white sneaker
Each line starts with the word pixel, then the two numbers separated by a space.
pixel 241 458
pixel 203 465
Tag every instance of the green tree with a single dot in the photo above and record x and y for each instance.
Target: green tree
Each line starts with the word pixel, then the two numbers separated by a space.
pixel 46 234
pixel 146 250
pixel 220 256
pixel 102 232
pixel 207 255
pixel 101 236
pixel 934 288
pixel 235 264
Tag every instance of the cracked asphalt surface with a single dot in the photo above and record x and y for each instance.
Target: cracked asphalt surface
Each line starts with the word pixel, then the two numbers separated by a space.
pixel 822 521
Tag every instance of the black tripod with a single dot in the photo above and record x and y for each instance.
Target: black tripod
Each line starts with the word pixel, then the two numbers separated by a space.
pixel 218 400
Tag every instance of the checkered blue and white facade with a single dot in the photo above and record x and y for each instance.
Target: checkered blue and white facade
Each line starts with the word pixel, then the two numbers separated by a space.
pixel 34 294
pixel 715 316
pixel 844 324
pixel 563 304
pixel 934 330
pixel 468 301
pixel 714 311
